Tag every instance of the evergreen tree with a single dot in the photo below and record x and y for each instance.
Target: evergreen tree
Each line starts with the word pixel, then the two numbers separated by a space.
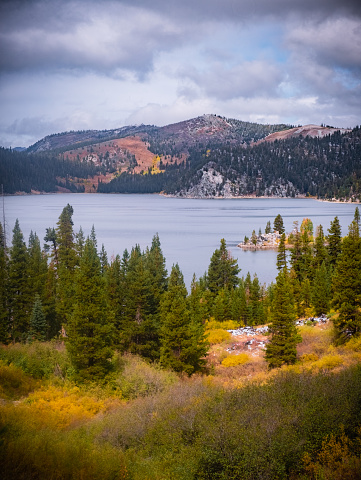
pixel 278 225
pixel 268 227
pixel 306 295
pixel 140 331
pixel 198 300
pixel 4 316
pixel 114 278
pixel 103 259
pixel 155 264
pixel 239 312
pixel 37 267
pixel 346 284
pixel 38 325
pixel 255 305
pixel 319 250
pixel 281 256
pixel 282 347
pixel 52 245
pixel 254 238
pixel 321 290
pixel 221 305
pixel 19 301
pixel 357 217
pixel 67 261
pixel 223 270
pixel 183 344
pixel 79 243
pixel 296 252
pixel 49 304
pixel 334 241
pixel 90 329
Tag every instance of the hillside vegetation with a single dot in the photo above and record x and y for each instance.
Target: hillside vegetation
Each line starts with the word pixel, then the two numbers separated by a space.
pixel 112 369
pixel 205 157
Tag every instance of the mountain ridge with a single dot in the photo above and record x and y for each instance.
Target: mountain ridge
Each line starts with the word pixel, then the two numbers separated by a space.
pixel 205 157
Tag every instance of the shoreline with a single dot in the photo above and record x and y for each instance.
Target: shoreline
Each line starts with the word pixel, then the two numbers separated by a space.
pixel 162 194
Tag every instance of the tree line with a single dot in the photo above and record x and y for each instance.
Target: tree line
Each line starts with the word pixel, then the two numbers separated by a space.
pixel 129 303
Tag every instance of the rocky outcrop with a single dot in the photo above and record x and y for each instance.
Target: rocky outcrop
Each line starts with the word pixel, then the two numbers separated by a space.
pixel 213 184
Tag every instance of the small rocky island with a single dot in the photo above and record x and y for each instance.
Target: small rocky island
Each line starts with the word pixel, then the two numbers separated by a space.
pixel 272 237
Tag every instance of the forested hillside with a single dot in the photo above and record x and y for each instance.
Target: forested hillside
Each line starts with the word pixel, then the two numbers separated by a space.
pixel 205 157
pixel 327 167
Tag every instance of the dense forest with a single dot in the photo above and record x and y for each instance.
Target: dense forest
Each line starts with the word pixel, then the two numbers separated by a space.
pixel 324 167
pixel 112 369
pixel 22 172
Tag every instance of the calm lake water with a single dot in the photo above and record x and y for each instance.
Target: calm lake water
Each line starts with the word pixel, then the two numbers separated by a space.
pixel 189 230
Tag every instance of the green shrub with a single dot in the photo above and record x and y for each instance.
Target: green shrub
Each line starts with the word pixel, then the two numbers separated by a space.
pixel 139 378
pixel 14 383
pixel 38 359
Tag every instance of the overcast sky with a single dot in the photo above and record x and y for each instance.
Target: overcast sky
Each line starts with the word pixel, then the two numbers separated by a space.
pixel 74 65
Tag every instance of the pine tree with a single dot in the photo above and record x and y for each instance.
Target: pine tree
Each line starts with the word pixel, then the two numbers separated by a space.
pixel 357 217
pixel 155 264
pixel 19 301
pixel 103 259
pixel 296 254
pixel 223 270
pixel 346 284
pixel 183 343
pixel 4 315
pixel 320 254
pixel 37 267
pixel 139 333
pixel 268 227
pixel 282 347
pixel 239 310
pixel 278 225
pixel 79 243
pixel 256 310
pixel 221 308
pixel 199 300
pixel 321 290
pixel 90 328
pixel 281 256
pixel 67 261
pixel 38 325
pixel 334 241
pixel 254 238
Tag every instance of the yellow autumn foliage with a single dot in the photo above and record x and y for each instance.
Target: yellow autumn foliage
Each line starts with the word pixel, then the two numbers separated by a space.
pixel 217 336
pixel 234 360
pixel 329 362
pixel 63 407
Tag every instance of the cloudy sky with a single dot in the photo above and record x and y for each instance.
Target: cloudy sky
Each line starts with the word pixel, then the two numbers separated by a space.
pixel 76 64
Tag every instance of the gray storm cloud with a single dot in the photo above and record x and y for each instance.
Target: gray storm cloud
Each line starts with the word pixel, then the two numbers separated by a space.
pixel 279 60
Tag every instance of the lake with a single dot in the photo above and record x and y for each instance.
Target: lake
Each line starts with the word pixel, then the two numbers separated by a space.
pixel 189 229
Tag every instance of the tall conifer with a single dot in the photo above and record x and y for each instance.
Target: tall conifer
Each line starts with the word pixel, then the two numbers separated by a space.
pixel 282 347
pixel 4 314
pixel 90 328
pixel 281 256
pixel 67 261
pixel 38 325
pixel 19 301
pixel 346 284
pixel 183 344
pixel 334 241
pixel 223 270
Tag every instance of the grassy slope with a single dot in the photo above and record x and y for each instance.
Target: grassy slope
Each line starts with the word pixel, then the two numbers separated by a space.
pixel 146 423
